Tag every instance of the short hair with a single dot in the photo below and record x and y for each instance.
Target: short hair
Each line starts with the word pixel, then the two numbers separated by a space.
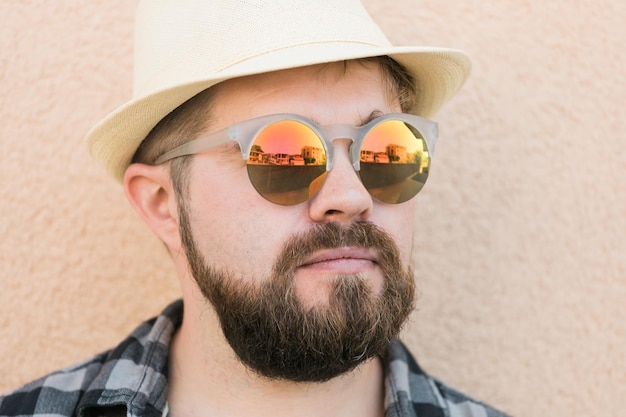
pixel 193 117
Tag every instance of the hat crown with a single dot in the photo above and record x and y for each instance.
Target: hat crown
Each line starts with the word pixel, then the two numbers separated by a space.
pixel 188 39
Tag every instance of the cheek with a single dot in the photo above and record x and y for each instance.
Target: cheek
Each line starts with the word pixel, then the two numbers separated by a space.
pixel 219 210
pixel 399 222
pixel 234 227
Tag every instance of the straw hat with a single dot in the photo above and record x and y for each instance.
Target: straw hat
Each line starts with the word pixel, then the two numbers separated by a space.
pixel 185 46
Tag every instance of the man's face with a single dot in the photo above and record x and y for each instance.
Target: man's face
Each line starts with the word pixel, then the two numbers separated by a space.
pixel 303 292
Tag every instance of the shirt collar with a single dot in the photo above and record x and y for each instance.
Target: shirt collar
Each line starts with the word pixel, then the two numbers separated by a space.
pixel 134 374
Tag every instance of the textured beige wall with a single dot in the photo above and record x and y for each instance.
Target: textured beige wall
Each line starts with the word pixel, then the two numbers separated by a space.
pixel 521 248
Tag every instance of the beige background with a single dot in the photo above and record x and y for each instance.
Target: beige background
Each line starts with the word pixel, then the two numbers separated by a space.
pixel 521 245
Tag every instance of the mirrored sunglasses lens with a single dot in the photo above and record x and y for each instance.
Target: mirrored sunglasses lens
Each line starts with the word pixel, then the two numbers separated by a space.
pixel 394 161
pixel 287 162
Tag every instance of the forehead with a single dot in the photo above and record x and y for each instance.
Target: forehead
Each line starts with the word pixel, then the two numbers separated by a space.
pixel 327 93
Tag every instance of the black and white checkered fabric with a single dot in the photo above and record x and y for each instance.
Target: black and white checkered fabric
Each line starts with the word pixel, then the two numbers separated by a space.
pixel 132 380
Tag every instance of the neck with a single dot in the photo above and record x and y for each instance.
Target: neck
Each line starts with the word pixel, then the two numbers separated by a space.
pixel 205 378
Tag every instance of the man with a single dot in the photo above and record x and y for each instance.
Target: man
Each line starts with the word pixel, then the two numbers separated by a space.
pixel 275 148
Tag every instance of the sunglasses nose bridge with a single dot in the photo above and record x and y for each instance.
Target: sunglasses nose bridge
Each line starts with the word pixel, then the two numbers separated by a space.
pixel 340 131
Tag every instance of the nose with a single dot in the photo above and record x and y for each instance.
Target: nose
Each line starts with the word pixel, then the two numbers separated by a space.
pixel 342 198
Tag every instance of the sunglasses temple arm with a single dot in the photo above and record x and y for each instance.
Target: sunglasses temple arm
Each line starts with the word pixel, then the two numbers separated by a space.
pixel 193 147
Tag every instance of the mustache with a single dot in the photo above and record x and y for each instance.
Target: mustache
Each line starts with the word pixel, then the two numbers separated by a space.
pixel 332 236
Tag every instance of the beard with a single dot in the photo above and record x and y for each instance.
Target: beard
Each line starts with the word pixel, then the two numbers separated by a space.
pixel 276 336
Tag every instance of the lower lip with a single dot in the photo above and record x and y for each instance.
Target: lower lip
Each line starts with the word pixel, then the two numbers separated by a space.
pixel 341 266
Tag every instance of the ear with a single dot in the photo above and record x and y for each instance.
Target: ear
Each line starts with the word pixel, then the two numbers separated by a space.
pixel 150 192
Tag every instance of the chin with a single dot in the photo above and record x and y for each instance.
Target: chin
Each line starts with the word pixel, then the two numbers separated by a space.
pixel 317 292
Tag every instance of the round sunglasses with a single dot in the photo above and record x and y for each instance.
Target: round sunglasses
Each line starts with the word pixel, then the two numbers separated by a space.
pixel 288 156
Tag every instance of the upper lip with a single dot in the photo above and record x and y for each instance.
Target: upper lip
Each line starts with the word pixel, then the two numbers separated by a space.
pixel 325 255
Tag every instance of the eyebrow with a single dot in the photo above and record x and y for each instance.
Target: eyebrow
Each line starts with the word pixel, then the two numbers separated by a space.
pixel 362 121
pixel 373 115
pixel 232 147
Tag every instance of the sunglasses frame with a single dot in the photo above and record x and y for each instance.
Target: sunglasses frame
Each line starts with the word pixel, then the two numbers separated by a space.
pixel 245 133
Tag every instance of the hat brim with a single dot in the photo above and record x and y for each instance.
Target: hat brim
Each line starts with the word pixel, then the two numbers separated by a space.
pixel 438 72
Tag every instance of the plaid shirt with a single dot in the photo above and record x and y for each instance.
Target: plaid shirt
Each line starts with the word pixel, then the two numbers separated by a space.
pixel 132 380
